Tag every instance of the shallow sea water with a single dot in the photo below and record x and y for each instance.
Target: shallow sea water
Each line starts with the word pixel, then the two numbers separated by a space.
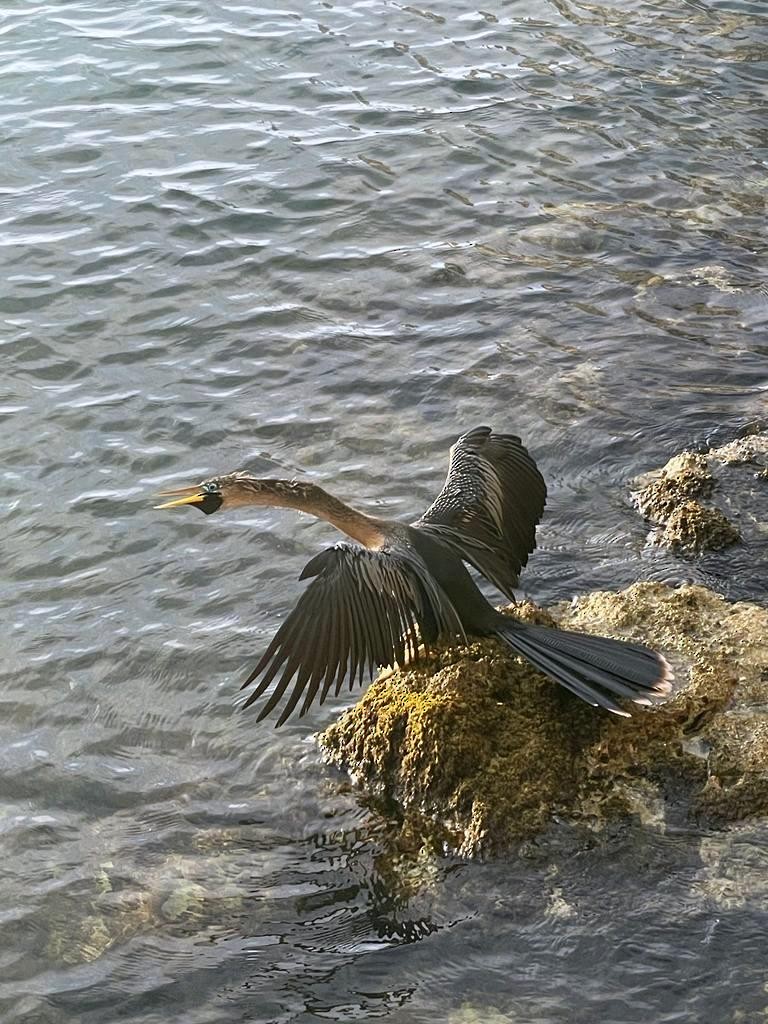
pixel 324 239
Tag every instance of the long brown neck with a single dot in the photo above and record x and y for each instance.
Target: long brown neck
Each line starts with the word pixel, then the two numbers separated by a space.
pixel 308 497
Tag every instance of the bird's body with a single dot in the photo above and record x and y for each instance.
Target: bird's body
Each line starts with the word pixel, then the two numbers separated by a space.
pixel 399 588
pixel 477 616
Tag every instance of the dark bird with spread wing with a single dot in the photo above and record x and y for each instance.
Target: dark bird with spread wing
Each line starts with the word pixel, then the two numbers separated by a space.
pixel 400 588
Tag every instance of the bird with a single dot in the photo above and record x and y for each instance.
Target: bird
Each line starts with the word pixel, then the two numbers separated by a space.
pixel 393 591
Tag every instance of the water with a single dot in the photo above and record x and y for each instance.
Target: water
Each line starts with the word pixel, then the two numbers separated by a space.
pixel 322 240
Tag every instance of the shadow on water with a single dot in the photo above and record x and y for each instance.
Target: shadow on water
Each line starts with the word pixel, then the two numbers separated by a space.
pixel 326 238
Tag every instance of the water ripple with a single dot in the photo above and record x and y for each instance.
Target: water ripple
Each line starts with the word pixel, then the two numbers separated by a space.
pixel 320 240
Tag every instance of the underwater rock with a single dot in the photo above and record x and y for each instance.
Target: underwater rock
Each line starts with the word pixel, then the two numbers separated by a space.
pixel 734 867
pixel 468 1013
pixel 74 939
pixel 474 750
pixel 187 899
pixel 167 898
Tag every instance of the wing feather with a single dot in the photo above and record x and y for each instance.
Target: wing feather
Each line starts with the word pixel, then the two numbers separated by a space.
pixel 369 617
pixel 323 666
pixel 338 667
pixel 362 609
pixel 489 506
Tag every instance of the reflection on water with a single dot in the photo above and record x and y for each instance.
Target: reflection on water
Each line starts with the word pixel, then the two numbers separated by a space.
pixel 323 240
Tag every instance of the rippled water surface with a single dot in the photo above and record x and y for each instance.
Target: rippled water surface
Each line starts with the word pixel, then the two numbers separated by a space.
pixel 322 239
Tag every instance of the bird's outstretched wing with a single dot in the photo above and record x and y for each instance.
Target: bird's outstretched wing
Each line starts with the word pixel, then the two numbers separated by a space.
pixel 363 609
pixel 489 506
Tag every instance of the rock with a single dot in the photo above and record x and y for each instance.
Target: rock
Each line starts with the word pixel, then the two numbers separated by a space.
pixel 686 476
pixel 750 449
pixel 670 498
pixel 474 750
pixel 163 899
pixel 468 1013
pixel 692 527
pixel 673 497
pixel 186 900
pixel 734 871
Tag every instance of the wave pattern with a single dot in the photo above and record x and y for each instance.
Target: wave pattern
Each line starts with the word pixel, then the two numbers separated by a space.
pixel 323 238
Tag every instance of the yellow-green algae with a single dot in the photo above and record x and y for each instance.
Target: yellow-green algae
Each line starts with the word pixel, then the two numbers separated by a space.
pixel 474 750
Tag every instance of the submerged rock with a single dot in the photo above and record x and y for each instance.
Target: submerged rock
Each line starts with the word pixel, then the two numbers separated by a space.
pixel 475 750
pixel 166 899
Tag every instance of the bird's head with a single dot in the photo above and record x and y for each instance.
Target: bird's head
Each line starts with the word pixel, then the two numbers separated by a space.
pixel 226 491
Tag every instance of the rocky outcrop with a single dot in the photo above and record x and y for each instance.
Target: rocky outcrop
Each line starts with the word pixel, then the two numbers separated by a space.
pixel 475 750
pixel 681 497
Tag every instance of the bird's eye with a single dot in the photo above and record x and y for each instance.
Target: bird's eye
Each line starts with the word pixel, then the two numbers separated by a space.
pixel 212 487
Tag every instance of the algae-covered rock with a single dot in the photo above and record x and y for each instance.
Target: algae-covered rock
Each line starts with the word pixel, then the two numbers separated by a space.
pixel 693 527
pixel 752 449
pixel 671 499
pixel 678 497
pixel 468 1013
pixel 686 476
pixel 474 749
pixel 74 939
pixel 186 900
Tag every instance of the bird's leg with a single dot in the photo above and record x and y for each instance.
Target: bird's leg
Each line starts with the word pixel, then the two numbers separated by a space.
pixel 387 673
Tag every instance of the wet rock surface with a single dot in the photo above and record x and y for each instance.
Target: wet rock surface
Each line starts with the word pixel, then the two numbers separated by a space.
pixel 474 750
pixel 685 477
pixel 692 527
pixel 684 498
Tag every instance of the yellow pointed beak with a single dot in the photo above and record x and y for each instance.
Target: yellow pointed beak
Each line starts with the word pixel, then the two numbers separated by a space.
pixel 191 496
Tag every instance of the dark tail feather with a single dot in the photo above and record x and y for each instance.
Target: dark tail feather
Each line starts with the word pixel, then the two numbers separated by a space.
pixel 595 668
